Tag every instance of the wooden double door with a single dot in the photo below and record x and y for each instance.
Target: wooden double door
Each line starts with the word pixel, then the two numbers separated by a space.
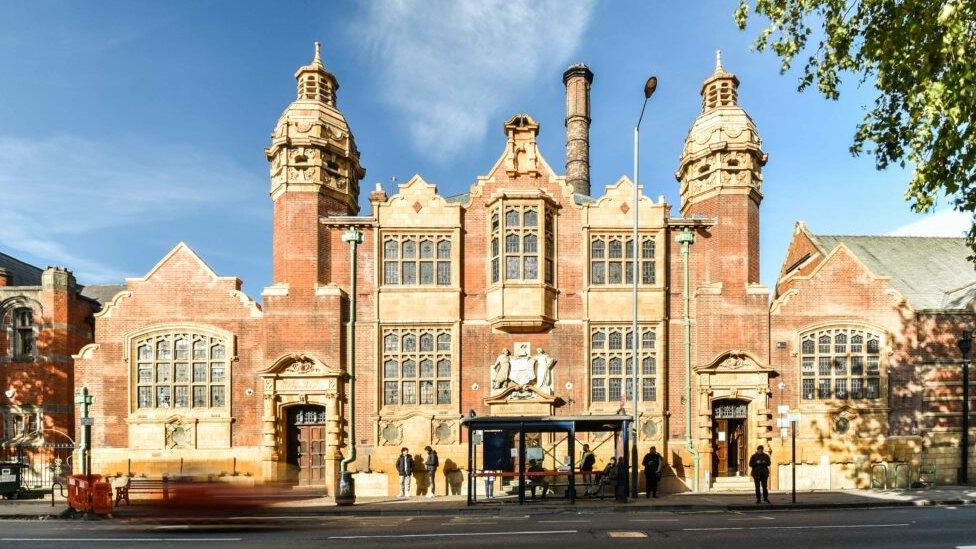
pixel 729 421
pixel 306 439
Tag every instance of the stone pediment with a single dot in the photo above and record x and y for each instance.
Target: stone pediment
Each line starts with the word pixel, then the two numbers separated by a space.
pixel 734 361
pixel 300 364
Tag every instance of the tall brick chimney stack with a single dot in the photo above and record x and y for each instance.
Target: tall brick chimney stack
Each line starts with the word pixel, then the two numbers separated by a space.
pixel 577 79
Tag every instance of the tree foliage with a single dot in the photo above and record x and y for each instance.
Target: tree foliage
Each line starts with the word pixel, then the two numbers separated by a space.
pixel 921 57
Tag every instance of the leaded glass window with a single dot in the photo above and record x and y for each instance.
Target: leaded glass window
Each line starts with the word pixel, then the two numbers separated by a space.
pixel 612 260
pixel 180 370
pixel 417 366
pixel 847 363
pixel 412 260
pixel 522 243
pixel 611 363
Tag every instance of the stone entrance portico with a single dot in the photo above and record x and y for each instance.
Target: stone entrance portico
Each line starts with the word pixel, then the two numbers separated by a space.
pixel 293 380
pixel 734 375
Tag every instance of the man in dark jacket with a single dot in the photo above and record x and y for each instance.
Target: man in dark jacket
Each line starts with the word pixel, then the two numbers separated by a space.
pixel 404 467
pixel 431 464
pixel 586 468
pixel 652 471
pixel 759 463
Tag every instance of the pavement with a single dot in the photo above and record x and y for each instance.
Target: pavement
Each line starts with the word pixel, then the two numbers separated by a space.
pixel 301 505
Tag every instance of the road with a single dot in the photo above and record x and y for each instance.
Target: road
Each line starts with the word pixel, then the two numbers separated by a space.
pixel 891 527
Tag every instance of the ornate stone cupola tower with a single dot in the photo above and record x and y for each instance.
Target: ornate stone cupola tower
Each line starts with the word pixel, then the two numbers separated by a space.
pixel 720 171
pixel 312 148
pixel 315 172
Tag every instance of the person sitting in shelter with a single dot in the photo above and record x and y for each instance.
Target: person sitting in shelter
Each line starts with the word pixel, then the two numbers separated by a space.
pixel 608 477
pixel 537 481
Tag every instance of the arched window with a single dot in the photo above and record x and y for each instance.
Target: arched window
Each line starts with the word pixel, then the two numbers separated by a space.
pixel 180 370
pixel 832 369
pixel 24 343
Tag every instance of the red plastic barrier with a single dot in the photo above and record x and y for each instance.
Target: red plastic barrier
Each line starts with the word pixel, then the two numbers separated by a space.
pixel 102 497
pixel 85 497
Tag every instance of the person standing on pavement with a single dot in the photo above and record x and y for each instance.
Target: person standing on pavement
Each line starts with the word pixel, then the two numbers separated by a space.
pixel 586 467
pixel 404 467
pixel 652 471
pixel 759 463
pixel 431 464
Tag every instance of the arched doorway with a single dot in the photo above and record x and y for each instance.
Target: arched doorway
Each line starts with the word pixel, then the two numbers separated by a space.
pixel 305 435
pixel 730 437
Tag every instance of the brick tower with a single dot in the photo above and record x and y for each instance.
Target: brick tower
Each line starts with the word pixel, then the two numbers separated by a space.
pixel 720 171
pixel 315 172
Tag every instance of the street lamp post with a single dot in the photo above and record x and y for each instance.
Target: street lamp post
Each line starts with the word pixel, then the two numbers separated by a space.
pixel 649 88
pixel 965 344
pixel 347 486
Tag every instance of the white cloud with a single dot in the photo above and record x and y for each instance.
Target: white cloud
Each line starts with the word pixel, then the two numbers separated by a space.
pixel 944 223
pixel 449 66
pixel 61 189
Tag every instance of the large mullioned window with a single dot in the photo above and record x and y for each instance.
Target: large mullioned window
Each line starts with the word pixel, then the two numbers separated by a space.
pixel 416 366
pixel 840 363
pixel 611 362
pixel 412 260
pixel 612 260
pixel 181 370
pixel 515 248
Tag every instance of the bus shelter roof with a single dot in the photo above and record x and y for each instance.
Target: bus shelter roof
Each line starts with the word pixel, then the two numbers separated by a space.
pixel 584 424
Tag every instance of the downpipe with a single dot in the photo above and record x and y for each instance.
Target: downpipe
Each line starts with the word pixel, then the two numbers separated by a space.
pixel 346 494
pixel 686 238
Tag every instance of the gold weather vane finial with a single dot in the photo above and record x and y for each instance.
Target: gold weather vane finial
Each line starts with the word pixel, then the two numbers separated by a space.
pixel 718 60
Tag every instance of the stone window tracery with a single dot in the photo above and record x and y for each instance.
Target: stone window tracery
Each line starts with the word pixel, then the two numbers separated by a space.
pixel 840 363
pixel 180 370
pixel 520 233
pixel 612 260
pixel 611 361
pixel 417 260
pixel 417 366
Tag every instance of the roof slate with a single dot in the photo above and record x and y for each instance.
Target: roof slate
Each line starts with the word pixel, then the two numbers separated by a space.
pixel 22 274
pixel 102 293
pixel 931 272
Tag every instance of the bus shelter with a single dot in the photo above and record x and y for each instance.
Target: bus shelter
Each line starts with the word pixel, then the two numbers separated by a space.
pixel 519 448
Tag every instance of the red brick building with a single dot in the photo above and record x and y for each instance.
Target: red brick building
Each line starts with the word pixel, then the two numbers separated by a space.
pixel 45 317
pixel 515 299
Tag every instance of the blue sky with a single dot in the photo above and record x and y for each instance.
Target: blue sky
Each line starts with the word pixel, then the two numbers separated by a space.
pixel 127 127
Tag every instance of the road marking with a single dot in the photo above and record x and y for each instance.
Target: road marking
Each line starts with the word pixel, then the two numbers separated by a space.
pixel 797 527
pixel 627 534
pixel 129 540
pixel 457 534
pixel 653 520
pixel 759 517
pixel 563 521
pixel 457 523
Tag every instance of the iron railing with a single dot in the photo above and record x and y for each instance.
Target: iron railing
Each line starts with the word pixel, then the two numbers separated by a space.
pixel 46 463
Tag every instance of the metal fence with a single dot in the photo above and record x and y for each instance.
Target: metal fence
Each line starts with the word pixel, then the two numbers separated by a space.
pixel 46 463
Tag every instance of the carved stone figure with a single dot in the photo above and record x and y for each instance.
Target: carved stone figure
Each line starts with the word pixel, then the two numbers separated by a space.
pixel 500 370
pixel 543 371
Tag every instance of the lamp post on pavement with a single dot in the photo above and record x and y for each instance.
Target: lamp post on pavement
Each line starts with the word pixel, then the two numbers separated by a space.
pixel 347 486
pixel 649 88
pixel 965 344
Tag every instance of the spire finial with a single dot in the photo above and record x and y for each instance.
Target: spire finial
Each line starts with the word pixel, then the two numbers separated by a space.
pixel 318 53
pixel 718 60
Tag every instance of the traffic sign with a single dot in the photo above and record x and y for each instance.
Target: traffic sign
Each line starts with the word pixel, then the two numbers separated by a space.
pixel 88 421
pixel 794 416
